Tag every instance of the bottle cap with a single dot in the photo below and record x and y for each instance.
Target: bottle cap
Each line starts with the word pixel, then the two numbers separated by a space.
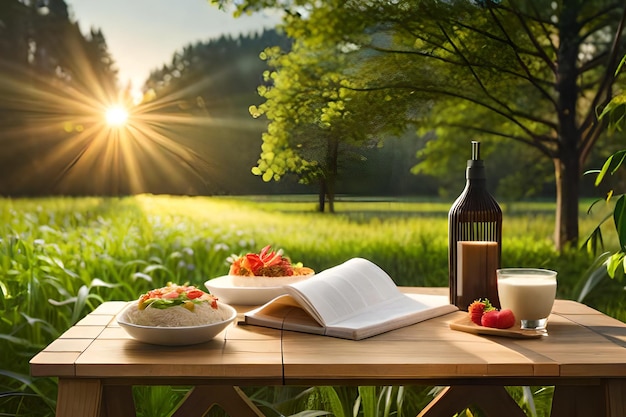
pixel 475 150
pixel 475 166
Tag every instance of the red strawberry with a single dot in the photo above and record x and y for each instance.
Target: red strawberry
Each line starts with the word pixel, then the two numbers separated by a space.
pixel 477 309
pixel 502 319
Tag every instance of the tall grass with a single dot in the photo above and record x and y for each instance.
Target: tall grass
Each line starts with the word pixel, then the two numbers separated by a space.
pixel 61 257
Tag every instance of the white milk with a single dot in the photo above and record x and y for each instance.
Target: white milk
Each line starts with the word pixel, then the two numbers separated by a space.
pixel 530 297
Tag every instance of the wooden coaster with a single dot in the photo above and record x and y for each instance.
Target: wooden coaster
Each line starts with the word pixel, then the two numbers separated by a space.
pixel 466 325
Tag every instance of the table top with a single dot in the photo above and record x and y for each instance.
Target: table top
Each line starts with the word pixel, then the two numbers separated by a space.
pixel 582 343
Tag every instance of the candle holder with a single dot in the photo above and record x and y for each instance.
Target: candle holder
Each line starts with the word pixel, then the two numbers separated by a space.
pixel 474 239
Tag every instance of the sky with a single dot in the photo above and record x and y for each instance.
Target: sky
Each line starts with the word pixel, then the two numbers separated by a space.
pixel 142 35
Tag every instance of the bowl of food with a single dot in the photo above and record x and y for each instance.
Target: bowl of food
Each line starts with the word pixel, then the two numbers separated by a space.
pixel 256 278
pixel 176 315
pixel 266 269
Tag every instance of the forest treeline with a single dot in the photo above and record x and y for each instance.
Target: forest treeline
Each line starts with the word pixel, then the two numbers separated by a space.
pixel 57 79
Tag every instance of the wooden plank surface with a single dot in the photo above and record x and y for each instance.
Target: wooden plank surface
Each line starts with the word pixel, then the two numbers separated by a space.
pixel 425 350
pixel 47 363
pixel 583 349
pixel 236 353
pixel 581 342
pixel 216 359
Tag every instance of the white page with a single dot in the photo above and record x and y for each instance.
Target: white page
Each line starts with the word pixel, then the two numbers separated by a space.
pixel 394 309
pixel 346 289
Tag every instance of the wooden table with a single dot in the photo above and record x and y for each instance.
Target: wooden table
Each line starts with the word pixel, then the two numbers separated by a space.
pixel 584 357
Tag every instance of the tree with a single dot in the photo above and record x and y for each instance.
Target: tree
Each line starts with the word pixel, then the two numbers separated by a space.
pixel 296 139
pixel 532 72
pixel 317 121
pixel 312 123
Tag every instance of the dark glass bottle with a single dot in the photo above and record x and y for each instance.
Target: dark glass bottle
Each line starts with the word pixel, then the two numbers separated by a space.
pixel 475 239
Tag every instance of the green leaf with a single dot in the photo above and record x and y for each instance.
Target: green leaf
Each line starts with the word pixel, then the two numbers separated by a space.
pixel 24 379
pixel 141 275
pixel 400 400
pixel 603 171
pixel 367 394
pixel 611 165
pixel 97 282
pixel 311 413
pixel 151 268
pixel 594 241
pixel 388 392
pixel 596 274
pixel 79 304
pixel 332 398
pixel 613 263
pixel 619 217
pixel 615 110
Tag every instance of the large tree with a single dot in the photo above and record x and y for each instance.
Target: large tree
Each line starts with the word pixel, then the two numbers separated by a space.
pixel 532 72
pixel 316 124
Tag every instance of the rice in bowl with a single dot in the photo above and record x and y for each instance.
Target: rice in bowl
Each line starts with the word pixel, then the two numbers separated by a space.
pixel 176 316
pixel 176 306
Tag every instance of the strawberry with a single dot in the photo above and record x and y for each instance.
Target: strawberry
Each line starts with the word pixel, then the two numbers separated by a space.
pixel 502 319
pixel 477 309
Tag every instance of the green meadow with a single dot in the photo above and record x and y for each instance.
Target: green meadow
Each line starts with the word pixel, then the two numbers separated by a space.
pixel 62 257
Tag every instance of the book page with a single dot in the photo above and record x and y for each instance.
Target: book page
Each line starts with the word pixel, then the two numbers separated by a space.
pixel 283 312
pixel 344 290
pixel 398 312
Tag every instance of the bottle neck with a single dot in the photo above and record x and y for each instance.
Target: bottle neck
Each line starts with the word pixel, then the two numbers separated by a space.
pixel 475 170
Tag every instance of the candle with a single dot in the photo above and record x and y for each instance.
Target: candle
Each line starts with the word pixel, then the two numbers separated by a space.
pixel 477 262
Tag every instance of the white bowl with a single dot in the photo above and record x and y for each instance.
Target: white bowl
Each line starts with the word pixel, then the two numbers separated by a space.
pixel 225 290
pixel 175 336
pixel 256 282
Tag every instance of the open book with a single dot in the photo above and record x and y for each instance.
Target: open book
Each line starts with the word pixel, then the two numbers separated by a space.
pixel 353 300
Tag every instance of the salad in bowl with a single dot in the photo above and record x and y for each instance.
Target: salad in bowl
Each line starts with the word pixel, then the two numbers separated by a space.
pixel 267 268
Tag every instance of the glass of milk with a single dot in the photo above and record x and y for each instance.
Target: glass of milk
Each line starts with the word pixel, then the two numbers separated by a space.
pixel 529 293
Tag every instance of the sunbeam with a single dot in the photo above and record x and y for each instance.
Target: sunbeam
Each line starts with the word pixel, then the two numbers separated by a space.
pixel 86 140
pixel 75 136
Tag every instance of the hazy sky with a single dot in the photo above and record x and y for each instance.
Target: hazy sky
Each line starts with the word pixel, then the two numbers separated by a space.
pixel 144 34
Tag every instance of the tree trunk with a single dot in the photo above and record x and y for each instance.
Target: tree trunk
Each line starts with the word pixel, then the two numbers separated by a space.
pixel 332 163
pixel 331 203
pixel 567 178
pixel 322 196
pixel 566 157
pixel 330 195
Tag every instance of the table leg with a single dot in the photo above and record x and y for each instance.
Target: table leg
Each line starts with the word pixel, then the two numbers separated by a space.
pixel 494 401
pixel 118 401
pixel 577 401
pixel 615 390
pixel 202 398
pixel 79 397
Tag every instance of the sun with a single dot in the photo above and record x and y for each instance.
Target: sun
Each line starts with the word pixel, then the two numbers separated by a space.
pixel 116 116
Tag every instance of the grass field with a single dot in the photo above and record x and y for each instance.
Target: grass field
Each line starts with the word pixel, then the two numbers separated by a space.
pixel 61 257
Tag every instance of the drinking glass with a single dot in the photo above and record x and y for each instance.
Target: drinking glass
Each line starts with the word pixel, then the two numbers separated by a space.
pixel 529 293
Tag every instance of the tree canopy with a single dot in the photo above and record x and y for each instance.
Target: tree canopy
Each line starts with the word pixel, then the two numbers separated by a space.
pixel 316 124
pixel 510 73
